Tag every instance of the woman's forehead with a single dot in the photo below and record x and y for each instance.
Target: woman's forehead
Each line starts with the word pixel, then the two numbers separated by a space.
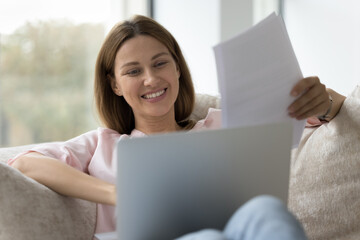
pixel 140 44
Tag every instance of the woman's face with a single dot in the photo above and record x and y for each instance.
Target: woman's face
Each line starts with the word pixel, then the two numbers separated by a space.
pixel 147 76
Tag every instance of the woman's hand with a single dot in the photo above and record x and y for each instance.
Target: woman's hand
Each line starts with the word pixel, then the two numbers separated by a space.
pixel 313 100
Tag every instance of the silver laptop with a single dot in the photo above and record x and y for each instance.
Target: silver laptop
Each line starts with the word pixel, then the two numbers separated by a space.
pixel 170 185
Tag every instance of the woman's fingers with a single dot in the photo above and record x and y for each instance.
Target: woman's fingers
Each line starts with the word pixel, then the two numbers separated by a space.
pixel 312 112
pixel 303 85
pixel 313 99
pixel 305 108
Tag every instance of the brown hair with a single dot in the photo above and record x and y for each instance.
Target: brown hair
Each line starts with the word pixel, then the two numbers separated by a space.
pixel 113 110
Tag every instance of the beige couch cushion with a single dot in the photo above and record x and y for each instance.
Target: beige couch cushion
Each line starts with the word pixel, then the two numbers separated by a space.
pixel 202 104
pixel 31 211
pixel 325 176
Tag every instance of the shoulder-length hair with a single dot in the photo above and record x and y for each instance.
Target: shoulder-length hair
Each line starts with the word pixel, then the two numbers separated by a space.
pixel 113 110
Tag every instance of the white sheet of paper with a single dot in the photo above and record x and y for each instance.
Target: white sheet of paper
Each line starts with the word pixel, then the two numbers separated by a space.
pixel 256 72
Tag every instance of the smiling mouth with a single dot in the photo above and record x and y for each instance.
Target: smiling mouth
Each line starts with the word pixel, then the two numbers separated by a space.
pixel 154 95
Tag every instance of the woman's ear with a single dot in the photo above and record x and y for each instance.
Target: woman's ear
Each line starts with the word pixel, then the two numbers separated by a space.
pixel 115 87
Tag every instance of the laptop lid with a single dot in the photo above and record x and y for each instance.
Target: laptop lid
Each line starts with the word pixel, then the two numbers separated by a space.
pixel 172 184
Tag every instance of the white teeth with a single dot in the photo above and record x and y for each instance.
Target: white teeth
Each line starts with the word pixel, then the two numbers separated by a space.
pixel 154 95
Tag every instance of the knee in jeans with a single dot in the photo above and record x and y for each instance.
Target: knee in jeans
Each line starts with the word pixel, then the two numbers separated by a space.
pixel 264 205
pixel 261 215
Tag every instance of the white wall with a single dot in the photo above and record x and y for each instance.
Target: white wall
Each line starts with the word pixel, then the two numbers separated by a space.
pixel 326 38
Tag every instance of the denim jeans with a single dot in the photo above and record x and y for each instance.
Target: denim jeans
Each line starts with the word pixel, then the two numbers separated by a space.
pixel 262 218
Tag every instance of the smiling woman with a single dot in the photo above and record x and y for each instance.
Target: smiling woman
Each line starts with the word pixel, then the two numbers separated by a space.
pixel 160 59
pixel 143 86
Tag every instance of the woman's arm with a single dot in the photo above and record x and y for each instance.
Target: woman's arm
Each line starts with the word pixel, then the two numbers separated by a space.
pixel 313 100
pixel 65 179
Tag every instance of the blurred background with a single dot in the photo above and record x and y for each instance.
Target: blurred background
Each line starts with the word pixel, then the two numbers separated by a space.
pixel 48 51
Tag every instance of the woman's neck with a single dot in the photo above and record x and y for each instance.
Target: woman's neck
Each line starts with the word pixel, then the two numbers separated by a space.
pixel 157 125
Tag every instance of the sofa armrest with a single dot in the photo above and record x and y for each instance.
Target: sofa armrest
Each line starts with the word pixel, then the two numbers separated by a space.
pixel 30 210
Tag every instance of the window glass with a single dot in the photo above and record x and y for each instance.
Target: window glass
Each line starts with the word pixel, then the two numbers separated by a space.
pixel 47 58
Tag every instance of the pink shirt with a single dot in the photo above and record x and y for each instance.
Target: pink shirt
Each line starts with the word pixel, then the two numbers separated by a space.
pixel 94 153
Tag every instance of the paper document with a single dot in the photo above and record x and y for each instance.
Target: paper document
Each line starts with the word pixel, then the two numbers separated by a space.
pixel 256 72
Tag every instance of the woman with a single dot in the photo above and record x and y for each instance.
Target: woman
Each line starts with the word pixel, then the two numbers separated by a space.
pixel 143 86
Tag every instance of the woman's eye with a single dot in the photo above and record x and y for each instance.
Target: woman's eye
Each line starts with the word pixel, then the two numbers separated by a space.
pixel 160 64
pixel 133 72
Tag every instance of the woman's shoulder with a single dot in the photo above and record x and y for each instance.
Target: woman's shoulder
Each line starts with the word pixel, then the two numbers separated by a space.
pixel 211 121
pixel 102 131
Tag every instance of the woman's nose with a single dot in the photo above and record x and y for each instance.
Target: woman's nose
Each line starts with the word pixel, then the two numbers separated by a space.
pixel 150 78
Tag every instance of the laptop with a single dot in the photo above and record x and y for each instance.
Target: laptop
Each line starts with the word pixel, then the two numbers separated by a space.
pixel 172 184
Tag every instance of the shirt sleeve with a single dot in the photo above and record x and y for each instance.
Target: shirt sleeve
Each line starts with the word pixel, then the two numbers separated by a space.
pixel 76 152
pixel 211 121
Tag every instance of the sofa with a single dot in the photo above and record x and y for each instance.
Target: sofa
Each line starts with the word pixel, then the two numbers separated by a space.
pixel 324 187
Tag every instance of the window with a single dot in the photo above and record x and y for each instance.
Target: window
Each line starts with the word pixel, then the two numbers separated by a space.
pixel 48 51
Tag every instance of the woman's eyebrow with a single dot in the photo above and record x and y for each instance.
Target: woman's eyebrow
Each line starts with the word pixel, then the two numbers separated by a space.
pixel 129 64
pixel 159 54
